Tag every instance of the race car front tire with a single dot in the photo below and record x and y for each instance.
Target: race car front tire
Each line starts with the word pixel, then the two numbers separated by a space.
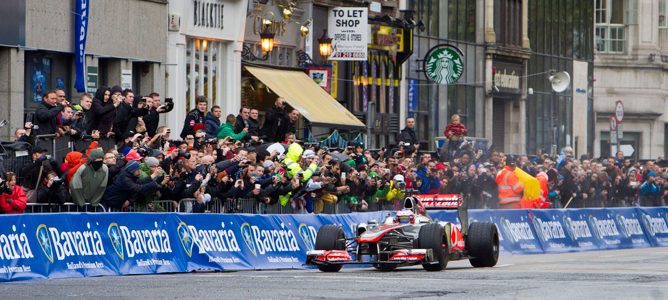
pixel 483 244
pixel 432 236
pixel 330 237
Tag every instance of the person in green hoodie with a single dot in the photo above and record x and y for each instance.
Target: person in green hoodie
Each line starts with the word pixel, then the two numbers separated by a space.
pixel 90 180
pixel 227 129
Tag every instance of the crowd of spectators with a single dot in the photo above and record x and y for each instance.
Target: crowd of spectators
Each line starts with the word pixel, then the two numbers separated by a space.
pixel 240 157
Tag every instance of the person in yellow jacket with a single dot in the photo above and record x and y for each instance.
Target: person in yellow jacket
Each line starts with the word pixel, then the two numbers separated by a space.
pixel 510 188
pixel 395 194
pixel 292 160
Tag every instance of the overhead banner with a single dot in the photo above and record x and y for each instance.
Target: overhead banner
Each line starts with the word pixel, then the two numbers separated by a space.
pixel 34 246
pixel 348 27
pixel 80 32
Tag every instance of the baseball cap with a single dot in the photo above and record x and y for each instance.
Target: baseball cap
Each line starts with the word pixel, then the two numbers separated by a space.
pixel 308 154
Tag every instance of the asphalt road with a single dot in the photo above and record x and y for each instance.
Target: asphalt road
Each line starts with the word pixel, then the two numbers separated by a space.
pixel 618 274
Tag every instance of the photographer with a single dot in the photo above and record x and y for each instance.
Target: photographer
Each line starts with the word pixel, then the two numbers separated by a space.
pixel 12 198
pixel 104 109
pixel 45 116
pixel 408 138
pixel 152 118
pixel 52 190
pixel 126 188
pixel 227 129
pixel 24 134
pixel 83 117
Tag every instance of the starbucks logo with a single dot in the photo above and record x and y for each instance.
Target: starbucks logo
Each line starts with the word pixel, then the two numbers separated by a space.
pixel 443 64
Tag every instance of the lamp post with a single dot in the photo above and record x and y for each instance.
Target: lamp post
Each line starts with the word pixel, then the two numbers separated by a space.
pixel 325 44
pixel 266 45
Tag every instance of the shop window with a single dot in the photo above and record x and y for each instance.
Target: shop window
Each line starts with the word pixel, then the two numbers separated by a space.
pixel 45 71
pixel 610 31
pixel 201 70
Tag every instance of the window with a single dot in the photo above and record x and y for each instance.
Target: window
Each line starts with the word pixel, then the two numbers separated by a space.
pixel 508 22
pixel 201 70
pixel 662 14
pixel 610 29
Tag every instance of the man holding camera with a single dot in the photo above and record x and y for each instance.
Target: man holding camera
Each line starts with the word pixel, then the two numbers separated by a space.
pixel 408 137
pixel 46 114
pixel 152 118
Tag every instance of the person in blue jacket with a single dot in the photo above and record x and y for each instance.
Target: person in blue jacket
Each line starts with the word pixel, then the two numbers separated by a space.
pixel 650 192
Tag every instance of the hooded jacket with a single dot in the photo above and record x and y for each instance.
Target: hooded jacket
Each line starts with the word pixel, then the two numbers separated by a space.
pixel 126 186
pixel 212 126
pixel 87 184
pixel 104 113
pixel 18 203
pixel 291 161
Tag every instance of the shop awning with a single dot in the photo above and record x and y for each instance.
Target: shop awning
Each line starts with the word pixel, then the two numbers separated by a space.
pixel 302 93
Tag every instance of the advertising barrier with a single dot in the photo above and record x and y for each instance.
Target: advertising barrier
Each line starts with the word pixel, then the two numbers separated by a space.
pixel 34 246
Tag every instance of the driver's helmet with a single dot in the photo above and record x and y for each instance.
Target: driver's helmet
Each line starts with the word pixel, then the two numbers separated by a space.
pixel 405 216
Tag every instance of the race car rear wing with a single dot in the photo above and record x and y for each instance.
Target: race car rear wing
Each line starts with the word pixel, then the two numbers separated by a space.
pixel 440 201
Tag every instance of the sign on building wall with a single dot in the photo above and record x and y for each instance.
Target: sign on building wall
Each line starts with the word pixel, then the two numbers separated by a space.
pixel 126 79
pixel 348 28
pixel 444 64
pixel 91 82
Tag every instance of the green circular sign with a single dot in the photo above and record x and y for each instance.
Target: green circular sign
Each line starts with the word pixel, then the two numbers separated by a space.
pixel 443 64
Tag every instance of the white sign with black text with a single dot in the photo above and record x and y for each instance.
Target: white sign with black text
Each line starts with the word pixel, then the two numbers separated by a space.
pixel 349 30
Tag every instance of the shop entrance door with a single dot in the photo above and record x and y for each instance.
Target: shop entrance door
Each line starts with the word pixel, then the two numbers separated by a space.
pixel 498 125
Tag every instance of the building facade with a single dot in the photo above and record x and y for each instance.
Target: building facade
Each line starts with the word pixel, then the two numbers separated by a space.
pixel 630 65
pixel 203 49
pixel 37 44
pixel 504 95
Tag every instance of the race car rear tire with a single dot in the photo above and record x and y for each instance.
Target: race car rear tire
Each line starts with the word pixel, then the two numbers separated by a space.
pixel 483 244
pixel 432 236
pixel 330 237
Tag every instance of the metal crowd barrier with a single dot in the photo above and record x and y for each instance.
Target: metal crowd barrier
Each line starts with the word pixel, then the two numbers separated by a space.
pixel 14 156
pixel 65 207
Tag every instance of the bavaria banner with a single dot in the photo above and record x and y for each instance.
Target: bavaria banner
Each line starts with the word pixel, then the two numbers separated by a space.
pixel 80 33
pixel 80 244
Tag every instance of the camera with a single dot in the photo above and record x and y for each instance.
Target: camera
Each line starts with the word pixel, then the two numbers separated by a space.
pixel 3 188
pixel 407 144
pixel 184 154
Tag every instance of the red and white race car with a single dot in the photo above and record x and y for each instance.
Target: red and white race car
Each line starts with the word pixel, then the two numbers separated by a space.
pixel 409 238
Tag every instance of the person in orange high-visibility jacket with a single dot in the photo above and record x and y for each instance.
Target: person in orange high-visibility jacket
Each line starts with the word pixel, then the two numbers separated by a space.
pixel 541 201
pixel 510 188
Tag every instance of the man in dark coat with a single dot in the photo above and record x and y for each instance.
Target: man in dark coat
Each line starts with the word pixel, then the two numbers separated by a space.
pixel 45 116
pixel 194 117
pixel 213 122
pixel 127 187
pixel 273 119
pixel 408 136
pixel 152 118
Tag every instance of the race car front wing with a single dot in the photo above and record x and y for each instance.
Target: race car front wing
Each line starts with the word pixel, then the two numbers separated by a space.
pixel 342 257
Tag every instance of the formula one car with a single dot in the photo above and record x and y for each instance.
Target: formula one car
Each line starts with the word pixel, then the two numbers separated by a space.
pixel 409 238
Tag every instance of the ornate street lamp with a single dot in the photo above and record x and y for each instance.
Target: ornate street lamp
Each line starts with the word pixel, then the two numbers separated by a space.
pixel 266 44
pixel 267 41
pixel 325 44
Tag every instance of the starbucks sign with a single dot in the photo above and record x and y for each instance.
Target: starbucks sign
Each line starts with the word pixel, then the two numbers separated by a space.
pixel 444 64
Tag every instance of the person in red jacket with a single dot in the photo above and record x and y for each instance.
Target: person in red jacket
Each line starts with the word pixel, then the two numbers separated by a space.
pixel 12 199
pixel 454 132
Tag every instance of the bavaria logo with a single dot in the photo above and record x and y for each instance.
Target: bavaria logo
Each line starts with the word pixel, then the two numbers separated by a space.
pixel 44 241
pixel 185 238
pixel 654 225
pixel 248 237
pixel 116 239
pixel 307 233
pixel 577 229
